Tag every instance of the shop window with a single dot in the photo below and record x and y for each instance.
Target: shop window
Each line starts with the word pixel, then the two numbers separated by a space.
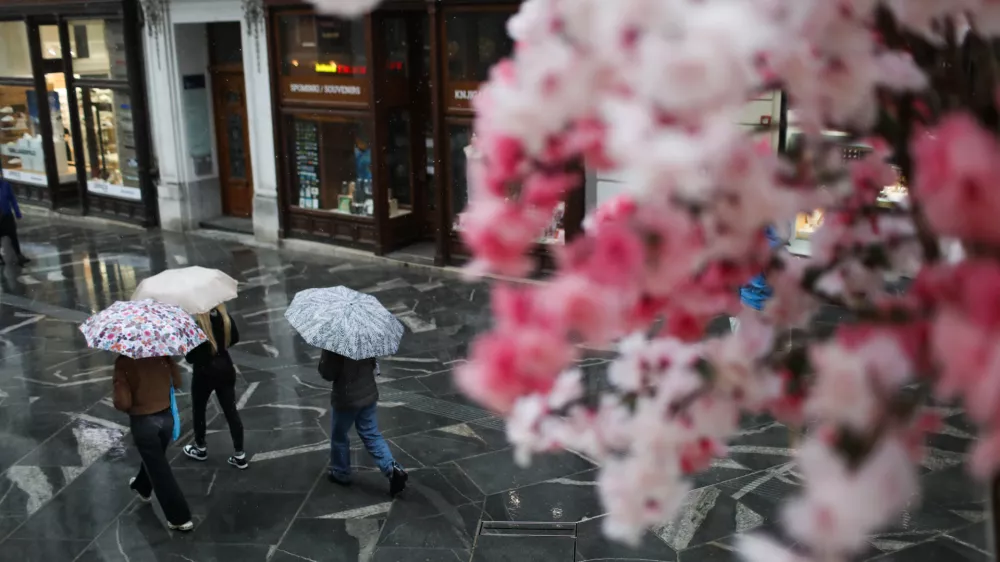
pixel 20 138
pixel 460 140
pixel 475 42
pixel 398 161
pixel 97 47
pixel 324 46
pixel 332 166
pixel 396 46
pixel 66 160
pixel 109 142
pixel 463 151
pixel 15 60
pixel 51 46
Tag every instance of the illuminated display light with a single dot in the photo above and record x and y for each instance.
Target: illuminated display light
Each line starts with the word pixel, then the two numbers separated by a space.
pixel 334 68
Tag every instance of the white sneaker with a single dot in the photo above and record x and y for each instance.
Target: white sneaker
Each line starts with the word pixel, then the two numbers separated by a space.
pixel 195 452
pixel 142 498
pixel 182 527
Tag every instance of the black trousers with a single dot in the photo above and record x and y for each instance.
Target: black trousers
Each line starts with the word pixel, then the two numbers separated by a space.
pixel 152 435
pixel 203 384
pixel 8 228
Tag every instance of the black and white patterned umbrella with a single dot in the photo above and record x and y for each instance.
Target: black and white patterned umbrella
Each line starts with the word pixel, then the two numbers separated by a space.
pixel 345 321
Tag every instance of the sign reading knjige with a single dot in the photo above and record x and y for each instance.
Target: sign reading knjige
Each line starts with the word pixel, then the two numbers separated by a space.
pixel 459 95
pixel 334 89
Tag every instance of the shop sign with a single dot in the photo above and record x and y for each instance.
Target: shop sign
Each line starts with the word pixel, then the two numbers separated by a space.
pixel 461 94
pixel 326 89
pixel 113 190
pixel 25 177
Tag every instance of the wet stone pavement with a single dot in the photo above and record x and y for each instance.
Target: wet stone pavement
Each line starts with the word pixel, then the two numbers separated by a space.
pixel 66 456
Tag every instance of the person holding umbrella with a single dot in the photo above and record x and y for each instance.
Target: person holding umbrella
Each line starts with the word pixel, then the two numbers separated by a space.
pixel 146 334
pixel 353 330
pixel 202 292
pixel 142 389
pixel 214 371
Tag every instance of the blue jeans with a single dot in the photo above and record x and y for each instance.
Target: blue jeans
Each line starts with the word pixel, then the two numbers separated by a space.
pixel 366 422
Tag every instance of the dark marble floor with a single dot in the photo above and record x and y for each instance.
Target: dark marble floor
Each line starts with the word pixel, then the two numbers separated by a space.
pixel 65 456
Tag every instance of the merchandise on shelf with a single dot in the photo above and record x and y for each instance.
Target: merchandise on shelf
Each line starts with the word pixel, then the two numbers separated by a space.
pixel 307 163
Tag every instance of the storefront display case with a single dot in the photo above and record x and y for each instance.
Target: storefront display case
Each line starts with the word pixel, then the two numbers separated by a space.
pixel 374 118
pixel 807 223
pixel 69 136
pixel 473 37
pixel 892 196
pixel 326 127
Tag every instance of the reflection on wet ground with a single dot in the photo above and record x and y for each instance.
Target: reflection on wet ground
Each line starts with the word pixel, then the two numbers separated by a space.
pixel 66 457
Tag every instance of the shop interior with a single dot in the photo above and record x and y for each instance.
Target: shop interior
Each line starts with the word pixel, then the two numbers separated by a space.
pixel 807 223
pixel 87 92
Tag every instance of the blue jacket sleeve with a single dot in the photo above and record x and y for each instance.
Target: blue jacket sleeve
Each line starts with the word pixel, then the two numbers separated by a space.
pixel 772 237
pixel 757 292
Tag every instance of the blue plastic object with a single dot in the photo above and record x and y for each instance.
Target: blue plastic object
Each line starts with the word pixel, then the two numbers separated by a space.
pixel 757 292
pixel 176 414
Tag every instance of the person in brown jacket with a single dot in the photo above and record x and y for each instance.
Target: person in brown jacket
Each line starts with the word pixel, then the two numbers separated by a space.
pixel 142 390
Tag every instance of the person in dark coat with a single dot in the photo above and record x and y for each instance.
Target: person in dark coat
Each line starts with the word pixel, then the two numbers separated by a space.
pixel 354 402
pixel 214 371
pixel 9 214
pixel 142 390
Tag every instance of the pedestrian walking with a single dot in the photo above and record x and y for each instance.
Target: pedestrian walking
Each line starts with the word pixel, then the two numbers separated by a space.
pixel 142 389
pixel 213 371
pixel 10 213
pixel 353 329
pixel 757 292
pixel 146 334
pixel 354 403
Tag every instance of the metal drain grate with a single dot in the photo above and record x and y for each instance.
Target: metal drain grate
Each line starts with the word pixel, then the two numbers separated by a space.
pixel 526 529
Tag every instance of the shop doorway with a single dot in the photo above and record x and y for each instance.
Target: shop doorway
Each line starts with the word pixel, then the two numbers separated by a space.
pixel 229 106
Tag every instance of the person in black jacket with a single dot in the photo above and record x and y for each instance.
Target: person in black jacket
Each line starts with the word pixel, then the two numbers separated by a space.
pixel 214 372
pixel 354 402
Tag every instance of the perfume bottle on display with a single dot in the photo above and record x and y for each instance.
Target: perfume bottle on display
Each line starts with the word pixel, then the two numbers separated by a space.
pixel 369 199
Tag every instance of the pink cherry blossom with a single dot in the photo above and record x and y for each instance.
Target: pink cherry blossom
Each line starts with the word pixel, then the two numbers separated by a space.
pixel 503 366
pixel 617 209
pixel 655 92
pixel 756 548
pixel 838 515
pixel 614 258
pixel 499 249
pixel 346 8
pixel 849 383
pixel 590 311
pixel 957 167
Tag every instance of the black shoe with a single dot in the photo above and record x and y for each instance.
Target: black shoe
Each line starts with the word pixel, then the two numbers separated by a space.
pixel 21 260
pixel 239 460
pixel 337 480
pixel 397 480
pixel 195 452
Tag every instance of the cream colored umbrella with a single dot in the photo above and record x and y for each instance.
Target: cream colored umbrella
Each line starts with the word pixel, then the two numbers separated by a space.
pixel 195 289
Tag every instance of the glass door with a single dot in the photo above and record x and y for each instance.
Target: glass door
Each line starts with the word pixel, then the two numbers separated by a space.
pixel 403 84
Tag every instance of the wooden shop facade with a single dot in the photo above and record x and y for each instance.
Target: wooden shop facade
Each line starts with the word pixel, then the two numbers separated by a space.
pixel 373 118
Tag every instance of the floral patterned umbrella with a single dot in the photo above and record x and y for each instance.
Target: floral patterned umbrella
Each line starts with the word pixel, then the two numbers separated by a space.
pixel 141 329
